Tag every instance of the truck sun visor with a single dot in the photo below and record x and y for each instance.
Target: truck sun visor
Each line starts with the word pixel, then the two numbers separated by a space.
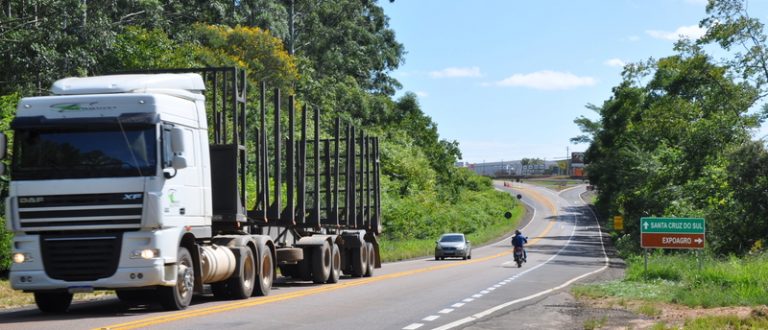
pixel 138 119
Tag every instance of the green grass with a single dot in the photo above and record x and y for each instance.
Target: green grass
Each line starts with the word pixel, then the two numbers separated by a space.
pixel 726 322
pixel 677 279
pixel 393 250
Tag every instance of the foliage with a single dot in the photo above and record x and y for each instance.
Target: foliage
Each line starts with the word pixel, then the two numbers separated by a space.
pixel 7 109
pixel 671 146
pixel 336 54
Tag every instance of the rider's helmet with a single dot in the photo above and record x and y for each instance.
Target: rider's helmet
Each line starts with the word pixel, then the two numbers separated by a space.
pixel 517 232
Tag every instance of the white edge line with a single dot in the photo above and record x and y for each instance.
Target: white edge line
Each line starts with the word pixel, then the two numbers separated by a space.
pixel 536 295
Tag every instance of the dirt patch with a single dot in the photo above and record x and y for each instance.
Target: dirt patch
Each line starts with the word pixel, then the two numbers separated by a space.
pixel 617 313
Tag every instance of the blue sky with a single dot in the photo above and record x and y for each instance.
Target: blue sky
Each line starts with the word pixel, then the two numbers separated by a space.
pixel 506 78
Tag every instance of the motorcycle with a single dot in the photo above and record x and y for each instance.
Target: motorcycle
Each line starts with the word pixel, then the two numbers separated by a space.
pixel 519 256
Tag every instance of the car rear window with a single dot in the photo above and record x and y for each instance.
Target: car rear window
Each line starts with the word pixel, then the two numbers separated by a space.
pixel 452 238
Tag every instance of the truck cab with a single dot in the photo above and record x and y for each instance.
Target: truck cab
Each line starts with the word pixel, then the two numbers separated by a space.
pixel 108 174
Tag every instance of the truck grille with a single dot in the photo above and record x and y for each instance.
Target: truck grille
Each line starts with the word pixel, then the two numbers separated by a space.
pixel 81 257
pixel 80 212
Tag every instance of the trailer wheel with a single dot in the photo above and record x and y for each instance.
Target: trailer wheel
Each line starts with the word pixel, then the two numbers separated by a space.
pixel 321 263
pixel 53 302
pixel 371 264
pixel 359 261
pixel 241 286
pixel 179 296
pixel 266 274
pixel 335 264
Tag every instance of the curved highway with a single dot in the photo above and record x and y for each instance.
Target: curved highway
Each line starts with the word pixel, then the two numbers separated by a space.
pixel 564 246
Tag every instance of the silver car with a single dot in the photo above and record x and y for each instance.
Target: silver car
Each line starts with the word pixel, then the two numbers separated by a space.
pixel 453 245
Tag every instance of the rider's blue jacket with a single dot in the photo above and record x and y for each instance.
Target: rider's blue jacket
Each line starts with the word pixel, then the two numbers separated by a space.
pixel 519 240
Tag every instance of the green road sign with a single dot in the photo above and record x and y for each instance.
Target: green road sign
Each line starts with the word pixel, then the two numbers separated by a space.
pixel 672 233
pixel 672 225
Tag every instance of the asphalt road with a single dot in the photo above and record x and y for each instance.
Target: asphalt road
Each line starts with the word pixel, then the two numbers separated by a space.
pixel 482 293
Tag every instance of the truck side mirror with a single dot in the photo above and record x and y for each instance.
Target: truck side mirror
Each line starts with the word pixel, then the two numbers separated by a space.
pixel 177 140
pixel 178 162
pixel 177 146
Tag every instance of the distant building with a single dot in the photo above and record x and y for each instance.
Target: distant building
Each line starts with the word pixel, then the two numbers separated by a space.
pixel 514 168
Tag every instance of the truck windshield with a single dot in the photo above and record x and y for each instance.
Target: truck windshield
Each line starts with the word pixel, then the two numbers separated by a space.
pixel 42 154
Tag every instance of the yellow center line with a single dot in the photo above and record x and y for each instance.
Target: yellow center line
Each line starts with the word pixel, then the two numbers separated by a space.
pixel 146 322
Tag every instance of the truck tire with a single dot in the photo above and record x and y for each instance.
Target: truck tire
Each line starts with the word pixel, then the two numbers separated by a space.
pixel 241 285
pixel 266 274
pixel 335 264
pixel 371 264
pixel 179 296
pixel 359 260
pixel 321 263
pixel 53 302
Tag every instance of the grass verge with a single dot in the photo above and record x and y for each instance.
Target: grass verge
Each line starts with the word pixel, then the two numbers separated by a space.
pixel 677 279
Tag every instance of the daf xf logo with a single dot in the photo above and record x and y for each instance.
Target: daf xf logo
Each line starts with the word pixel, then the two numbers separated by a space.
pixel 131 197
pixel 31 200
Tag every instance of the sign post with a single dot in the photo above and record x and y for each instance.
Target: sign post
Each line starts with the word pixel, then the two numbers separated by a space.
pixel 672 233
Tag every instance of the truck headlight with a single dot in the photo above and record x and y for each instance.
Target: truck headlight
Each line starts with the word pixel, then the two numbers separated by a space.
pixel 20 258
pixel 145 254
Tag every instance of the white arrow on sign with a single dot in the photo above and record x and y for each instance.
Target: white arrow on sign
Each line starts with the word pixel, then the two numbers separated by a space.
pixel 645 225
pixel 698 240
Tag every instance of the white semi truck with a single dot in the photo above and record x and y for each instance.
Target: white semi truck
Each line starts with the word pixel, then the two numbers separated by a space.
pixel 139 183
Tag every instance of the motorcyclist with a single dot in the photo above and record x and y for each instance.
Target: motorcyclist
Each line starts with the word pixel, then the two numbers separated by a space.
pixel 519 241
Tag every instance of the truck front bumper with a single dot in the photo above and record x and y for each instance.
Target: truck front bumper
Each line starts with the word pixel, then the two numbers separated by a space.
pixel 38 280
pixel 132 270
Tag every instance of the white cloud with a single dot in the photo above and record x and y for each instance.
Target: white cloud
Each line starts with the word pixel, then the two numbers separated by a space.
pixel 422 94
pixel 615 62
pixel 547 80
pixel 633 38
pixel 691 32
pixel 456 73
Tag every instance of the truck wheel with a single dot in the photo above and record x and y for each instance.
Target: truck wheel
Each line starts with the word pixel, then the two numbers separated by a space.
pixel 241 285
pixel 53 302
pixel 359 261
pixel 371 264
pixel 335 264
pixel 321 263
pixel 266 272
pixel 179 296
